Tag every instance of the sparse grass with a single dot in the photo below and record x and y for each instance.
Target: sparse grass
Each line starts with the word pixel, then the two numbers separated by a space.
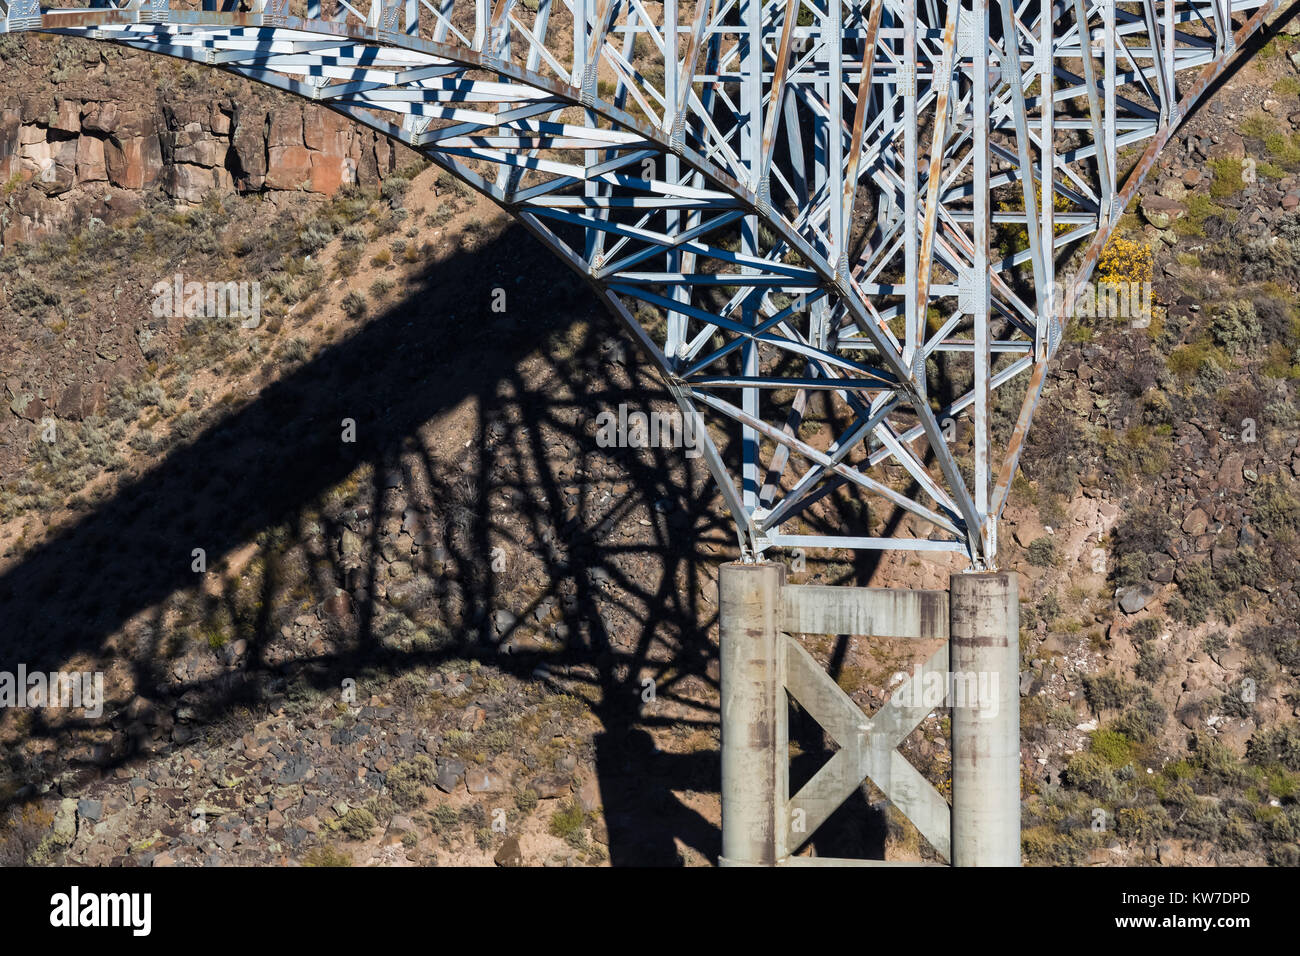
pixel 1282 145
pixel 407 779
pixel 1200 207
pixel 1227 177
pixel 326 856
pixel 1287 86
pixel 569 823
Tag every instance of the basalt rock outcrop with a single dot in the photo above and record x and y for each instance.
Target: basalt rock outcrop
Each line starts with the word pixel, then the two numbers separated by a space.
pixel 86 130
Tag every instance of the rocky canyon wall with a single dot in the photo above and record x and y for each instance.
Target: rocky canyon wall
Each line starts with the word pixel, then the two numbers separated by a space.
pixel 86 130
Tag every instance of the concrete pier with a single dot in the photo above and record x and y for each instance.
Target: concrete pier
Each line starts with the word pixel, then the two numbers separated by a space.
pixel 761 664
pixel 984 641
pixel 754 755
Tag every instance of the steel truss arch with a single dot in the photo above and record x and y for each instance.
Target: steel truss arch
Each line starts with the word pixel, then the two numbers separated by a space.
pixel 787 202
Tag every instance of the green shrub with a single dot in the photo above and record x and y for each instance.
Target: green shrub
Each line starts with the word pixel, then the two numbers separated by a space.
pixel 358 823
pixel 1142 531
pixel 1112 746
pixel 1284 854
pixel 1277 746
pixel 1129 570
pixel 294 350
pixel 1143 721
pixel 569 823
pixel 1236 834
pixel 1227 179
pixel 526 799
pixel 1151 662
pixel 443 818
pixel 1142 824
pixel 1041 552
pixel 1147 629
pixel 406 780
pixel 1278 641
pixel 1202 819
pixel 1106 692
pixel 1092 774
pixel 354 304
pixel 1044 845
pixel 1217 761
pixel 1199 590
pixel 346 262
pixel 1277 506
pixel 29 296
pixel 1236 326
pixel 315 236
pixel 394 188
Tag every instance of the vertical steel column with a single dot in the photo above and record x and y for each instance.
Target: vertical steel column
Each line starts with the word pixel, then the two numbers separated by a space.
pixel 750 42
pixel 754 748
pixel 914 311
pixel 984 648
pixel 675 321
pixel 1047 165
pixel 1170 78
pixel 1110 117
pixel 982 545
pixel 832 37
pixel 582 10
pixel 822 178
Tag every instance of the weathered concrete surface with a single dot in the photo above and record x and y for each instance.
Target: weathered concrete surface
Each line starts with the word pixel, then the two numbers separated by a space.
pixel 754 751
pixel 985 646
pixel 874 612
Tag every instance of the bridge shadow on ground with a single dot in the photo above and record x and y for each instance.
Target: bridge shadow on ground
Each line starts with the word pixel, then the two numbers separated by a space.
pixel 511 471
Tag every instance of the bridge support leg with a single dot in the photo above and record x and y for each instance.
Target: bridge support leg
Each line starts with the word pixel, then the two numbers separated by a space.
pixel 754 749
pixel 985 662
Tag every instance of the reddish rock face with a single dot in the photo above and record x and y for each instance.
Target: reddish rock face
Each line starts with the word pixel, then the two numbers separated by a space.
pixel 288 167
pixel 78 401
pixel 100 117
pixel 329 172
pixel 134 163
pixel 66 153
pixel 66 117
pixel 91 166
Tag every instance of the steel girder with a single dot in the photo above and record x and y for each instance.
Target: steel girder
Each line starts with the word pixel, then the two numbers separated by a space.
pixel 788 203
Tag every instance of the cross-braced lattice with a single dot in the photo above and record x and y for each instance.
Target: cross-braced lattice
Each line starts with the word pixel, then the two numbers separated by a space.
pixel 855 210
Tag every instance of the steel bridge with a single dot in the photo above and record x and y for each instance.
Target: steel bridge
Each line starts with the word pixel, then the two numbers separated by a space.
pixel 884 208
pixel 790 204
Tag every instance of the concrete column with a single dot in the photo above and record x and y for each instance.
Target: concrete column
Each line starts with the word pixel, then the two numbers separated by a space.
pixel 754 757
pixel 985 661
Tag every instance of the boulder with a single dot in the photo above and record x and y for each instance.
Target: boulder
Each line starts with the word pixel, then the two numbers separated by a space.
pixel 509 854
pixel 484 781
pixel 100 117
pixel 1162 212
pixel 1134 598
pixel 450 772
pixel 1232 147
pixel 288 167
pixel 1196 522
pixel 65 822
pixel 550 786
